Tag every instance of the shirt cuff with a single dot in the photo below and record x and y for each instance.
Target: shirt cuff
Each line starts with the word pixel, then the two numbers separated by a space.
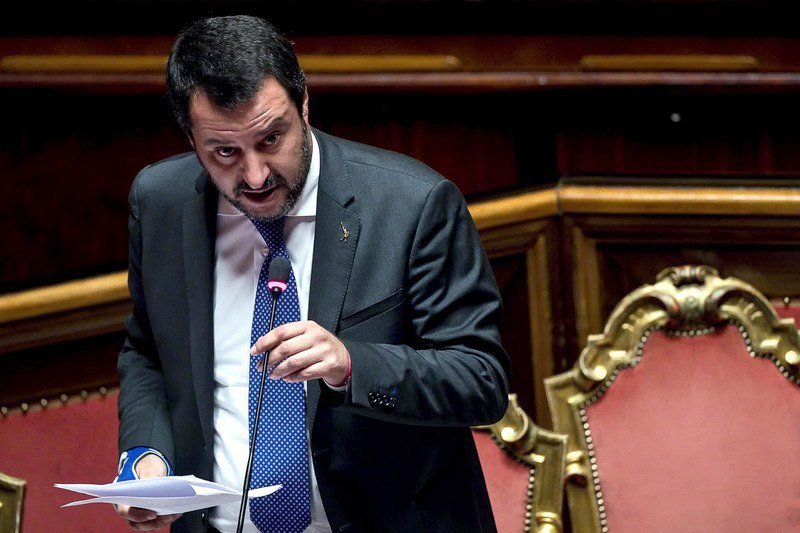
pixel 342 388
pixel 126 470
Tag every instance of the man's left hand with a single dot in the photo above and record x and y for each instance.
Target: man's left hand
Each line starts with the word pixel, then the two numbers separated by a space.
pixel 305 350
pixel 149 466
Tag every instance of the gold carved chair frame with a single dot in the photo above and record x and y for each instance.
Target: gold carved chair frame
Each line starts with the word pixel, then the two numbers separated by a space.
pixel 686 301
pixel 543 452
pixel 12 494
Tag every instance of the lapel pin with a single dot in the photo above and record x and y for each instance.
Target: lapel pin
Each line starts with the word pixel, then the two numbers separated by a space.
pixel 345 232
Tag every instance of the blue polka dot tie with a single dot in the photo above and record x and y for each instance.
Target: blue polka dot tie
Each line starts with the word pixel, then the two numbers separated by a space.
pixel 281 453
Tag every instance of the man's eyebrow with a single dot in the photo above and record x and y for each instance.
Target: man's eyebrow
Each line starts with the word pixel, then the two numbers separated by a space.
pixel 279 122
pixel 210 142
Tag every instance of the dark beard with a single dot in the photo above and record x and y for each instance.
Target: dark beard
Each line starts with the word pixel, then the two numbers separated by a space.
pixel 293 190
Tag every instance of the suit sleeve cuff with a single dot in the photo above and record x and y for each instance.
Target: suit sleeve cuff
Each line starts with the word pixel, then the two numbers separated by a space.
pixel 126 470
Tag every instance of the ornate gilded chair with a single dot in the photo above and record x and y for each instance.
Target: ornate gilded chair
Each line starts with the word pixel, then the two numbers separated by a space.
pixel 12 496
pixel 523 466
pixel 684 414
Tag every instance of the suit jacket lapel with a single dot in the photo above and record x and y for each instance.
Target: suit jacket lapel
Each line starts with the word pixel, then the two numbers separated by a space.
pixel 335 241
pixel 199 235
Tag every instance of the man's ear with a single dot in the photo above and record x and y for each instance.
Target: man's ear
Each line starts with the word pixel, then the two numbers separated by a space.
pixel 191 139
pixel 305 105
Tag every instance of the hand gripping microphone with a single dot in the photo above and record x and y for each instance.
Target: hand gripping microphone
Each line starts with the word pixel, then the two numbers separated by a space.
pixel 279 270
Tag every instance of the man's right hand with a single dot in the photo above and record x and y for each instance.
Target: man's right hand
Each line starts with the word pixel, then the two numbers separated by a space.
pixel 145 519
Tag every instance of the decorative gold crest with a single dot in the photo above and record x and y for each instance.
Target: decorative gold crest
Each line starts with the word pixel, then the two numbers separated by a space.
pixel 345 232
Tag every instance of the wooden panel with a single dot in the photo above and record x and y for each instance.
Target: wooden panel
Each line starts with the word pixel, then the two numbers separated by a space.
pixel 520 235
pixel 615 254
pixel 64 368
pixel 524 263
pixel 511 274
pixel 649 134
pixel 66 165
pixel 480 155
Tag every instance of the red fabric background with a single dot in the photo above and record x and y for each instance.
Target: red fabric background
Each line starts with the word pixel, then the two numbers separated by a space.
pixel 699 437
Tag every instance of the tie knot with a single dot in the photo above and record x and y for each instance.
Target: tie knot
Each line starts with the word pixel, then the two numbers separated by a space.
pixel 272 232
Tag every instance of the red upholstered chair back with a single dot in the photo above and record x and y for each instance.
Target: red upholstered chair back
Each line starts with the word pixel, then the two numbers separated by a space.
pixel 73 442
pixel 685 414
pixel 523 467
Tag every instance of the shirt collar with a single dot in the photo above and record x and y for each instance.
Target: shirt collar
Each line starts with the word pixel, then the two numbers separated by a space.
pixel 306 205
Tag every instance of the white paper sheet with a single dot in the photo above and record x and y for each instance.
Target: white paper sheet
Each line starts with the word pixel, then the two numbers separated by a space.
pixel 164 495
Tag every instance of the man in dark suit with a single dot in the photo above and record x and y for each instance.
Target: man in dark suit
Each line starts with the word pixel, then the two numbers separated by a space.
pixel 397 346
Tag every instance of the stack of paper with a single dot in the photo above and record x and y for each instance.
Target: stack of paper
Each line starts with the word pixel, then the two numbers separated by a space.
pixel 164 495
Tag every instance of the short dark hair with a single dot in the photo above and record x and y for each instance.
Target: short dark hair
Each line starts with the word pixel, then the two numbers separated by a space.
pixel 228 59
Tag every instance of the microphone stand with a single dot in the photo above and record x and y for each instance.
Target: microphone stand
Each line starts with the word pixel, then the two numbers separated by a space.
pixel 249 471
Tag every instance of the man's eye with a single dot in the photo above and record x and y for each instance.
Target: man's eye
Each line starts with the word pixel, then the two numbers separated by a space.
pixel 271 139
pixel 226 151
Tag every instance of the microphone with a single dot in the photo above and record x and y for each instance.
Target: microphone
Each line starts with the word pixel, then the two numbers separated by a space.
pixel 279 271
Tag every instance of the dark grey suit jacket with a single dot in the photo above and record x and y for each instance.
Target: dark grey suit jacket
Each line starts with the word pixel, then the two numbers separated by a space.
pixel 410 293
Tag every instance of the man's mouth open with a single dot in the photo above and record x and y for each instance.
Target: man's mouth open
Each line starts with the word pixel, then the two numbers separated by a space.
pixel 259 195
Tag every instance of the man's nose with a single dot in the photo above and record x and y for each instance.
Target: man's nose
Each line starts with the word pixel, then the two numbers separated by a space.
pixel 255 170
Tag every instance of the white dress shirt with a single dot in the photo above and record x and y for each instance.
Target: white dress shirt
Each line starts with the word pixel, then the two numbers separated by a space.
pixel 240 253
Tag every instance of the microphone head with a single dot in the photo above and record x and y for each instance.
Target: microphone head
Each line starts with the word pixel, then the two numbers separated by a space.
pixel 279 270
